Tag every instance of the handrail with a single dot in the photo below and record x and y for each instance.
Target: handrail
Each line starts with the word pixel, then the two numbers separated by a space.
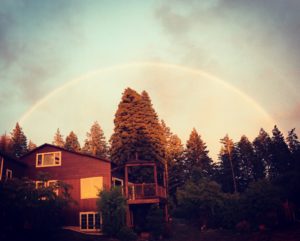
pixel 145 190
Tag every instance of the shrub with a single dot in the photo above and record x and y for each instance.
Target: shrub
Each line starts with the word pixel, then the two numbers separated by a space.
pixel 112 205
pixel 127 234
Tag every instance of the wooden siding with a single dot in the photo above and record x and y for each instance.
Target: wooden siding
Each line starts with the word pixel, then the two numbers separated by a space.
pixel 73 168
pixel 18 169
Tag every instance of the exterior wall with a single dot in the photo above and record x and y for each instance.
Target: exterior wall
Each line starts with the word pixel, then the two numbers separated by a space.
pixel 18 169
pixel 73 167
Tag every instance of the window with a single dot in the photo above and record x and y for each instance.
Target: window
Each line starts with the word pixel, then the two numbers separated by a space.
pixel 90 221
pixel 90 187
pixel 48 159
pixel 117 182
pixel 8 174
pixel 42 184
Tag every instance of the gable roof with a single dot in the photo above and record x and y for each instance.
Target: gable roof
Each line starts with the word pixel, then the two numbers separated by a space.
pixel 63 149
pixel 12 159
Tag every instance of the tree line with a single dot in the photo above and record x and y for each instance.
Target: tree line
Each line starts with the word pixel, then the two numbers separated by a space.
pixel 243 167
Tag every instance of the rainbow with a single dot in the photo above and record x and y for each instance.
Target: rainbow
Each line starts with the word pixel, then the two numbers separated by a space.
pixel 202 73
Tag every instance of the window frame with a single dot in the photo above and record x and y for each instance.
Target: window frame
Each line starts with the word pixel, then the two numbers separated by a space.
pixel 7 175
pixel 87 221
pixel 47 184
pixel 42 154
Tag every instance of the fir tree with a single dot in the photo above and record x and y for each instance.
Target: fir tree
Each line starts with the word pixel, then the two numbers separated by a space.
pixel 280 154
pixel 58 139
pixel 31 145
pixel 95 143
pixel 174 160
pixel 246 157
pixel 228 165
pixel 19 141
pixel 196 155
pixel 137 130
pixel 72 143
pixel 294 147
pixel 261 164
pixel 6 144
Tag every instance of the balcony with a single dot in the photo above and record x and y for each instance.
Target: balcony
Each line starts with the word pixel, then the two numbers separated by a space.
pixel 145 191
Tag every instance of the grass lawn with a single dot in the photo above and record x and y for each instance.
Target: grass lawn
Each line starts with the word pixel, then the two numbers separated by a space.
pixel 180 232
pixel 183 232
pixel 60 235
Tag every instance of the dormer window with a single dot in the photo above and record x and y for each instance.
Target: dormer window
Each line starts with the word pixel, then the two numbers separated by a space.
pixel 48 159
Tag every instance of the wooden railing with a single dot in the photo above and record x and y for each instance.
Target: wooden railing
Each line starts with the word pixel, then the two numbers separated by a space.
pixel 145 190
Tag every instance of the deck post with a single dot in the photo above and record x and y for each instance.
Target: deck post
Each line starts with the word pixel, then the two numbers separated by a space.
pixel 126 181
pixel 155 180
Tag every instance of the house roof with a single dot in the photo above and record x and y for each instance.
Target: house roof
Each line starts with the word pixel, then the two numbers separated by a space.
pixel 63 149
pixel 12 159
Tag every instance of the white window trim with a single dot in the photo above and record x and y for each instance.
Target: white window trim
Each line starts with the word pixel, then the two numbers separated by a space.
pixel 117 179
pixel 46 184
pixel 94 221
pixel 7 175
pixel 1 168
pixel 45 153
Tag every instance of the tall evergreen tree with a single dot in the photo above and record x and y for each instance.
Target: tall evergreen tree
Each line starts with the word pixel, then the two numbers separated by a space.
pixel 246 157
pixel 228 165
pixel 137 130
pixel 261 164
pixel 31 145
pixel 280 154
pixel 19 141
pixel 6 144
pixel 95 143
pixel 58 139
pixel 174 161
pixel 196 155
pixel 72 143
pixel 294 147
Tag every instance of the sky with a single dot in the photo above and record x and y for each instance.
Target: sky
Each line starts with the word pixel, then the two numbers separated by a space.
pixel 246 54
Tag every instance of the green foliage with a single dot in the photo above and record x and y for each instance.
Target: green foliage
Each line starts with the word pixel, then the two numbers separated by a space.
pixel 137 131
pixel 127 234
pixel 112 206
pixel 58 139
pixel 95 143
pixel 280 155
pixel 72 143
pixel 200 199
pixel 18 141
pixel 260 200
pixel 196 155
pixel 23 204
pixel 155 222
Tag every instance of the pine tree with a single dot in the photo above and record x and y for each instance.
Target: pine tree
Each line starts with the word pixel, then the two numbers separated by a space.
pixel 137 130
pixel 174 160
pixel 6 144
pixel 261 164
pixel 294 147
pixel 280 154
pixel 19 141
pixel 245 157
pixel 95 143
pixel 228 165
pixel 196 155
pixel 31 145
pixel 58 139
pixel 72 143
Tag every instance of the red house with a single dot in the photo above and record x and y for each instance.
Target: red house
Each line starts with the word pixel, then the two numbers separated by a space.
pixel 86 174
pixel 10 167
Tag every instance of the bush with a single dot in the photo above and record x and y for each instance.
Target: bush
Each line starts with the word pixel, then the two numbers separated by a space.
pixel 155 222
pixel 127 234
pixel 112 205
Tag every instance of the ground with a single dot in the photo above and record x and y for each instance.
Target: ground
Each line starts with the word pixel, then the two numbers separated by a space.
pixel 183 232
pixel 180 232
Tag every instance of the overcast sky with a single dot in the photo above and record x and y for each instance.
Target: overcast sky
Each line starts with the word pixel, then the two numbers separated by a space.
pixel 252 45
